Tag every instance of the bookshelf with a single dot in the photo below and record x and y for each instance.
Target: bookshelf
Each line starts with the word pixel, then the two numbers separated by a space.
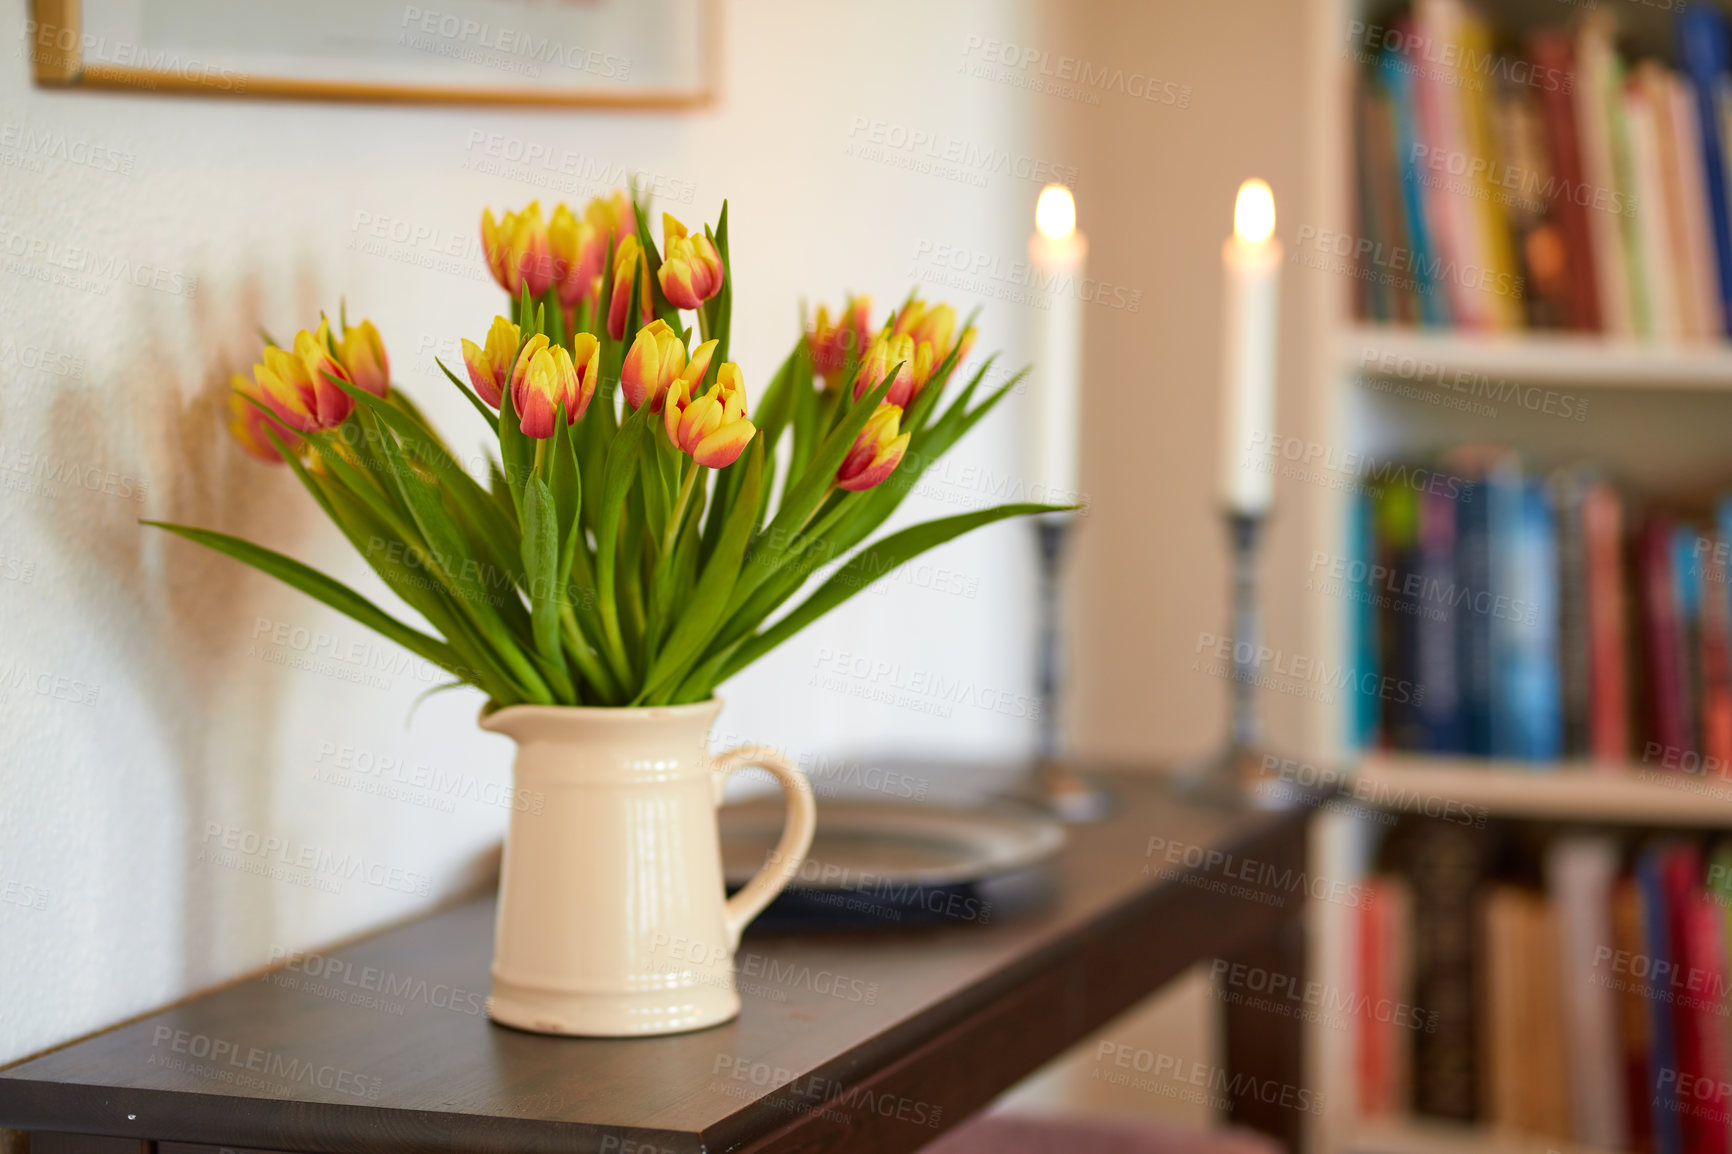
pixel 1565 359
pixel 1653 402
pixel 1613 795
pixel 1417 1138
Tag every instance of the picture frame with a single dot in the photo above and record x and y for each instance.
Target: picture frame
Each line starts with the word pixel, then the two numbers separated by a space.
pixel 597 53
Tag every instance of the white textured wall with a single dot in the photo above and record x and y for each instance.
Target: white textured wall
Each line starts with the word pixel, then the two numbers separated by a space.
pixel 182 713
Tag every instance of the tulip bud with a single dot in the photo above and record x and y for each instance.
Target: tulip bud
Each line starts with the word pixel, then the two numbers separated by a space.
pixel 926 323
pixel 520 370
pixel 656 358
pixel 691 271
pixel 832 344
pixel 611 215
pixel 628 258
pixel 532 250
pixel 880 357
pixel 876 451
pixel 490 367
pixel 579 249
pixel 713 428
pixel 550 380
pixel 495 245
pixel 363 355
pixel 586 362
pixel 248 424
pixel 296 386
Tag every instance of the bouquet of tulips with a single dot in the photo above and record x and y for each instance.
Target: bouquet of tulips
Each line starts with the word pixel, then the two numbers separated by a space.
pixel 627 549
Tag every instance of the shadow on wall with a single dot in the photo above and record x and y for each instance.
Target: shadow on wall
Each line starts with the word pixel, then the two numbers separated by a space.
pixel 185 605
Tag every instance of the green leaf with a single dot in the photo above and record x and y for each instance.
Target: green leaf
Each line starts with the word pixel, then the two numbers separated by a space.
pixel 702 615
pixel 866 567
pixel 653 258
pixel 455 564
pixel 616 485
pixel 546 581
pixel 332 592
pixel 516 451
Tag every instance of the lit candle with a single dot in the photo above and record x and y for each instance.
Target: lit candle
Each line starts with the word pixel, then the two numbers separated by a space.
pixel 1057 250
pixel 1252 260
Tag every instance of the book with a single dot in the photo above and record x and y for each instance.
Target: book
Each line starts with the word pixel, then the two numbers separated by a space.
pixel 1473 624
pixel 1687 645
pixel 1702 56
pixel 1506 1025
pixel 1449 204
pixel 1607 608
pixel 1397 72
pixel 1581 875
pixel 1527 721
pixel 1571 197
pixel 1654 282
pixel 1697 240
pixel 1398 631
pixel 1364 709
pixel 1445 865
pixel 1434 625
pixel 1570 488
pixel 1635 1025
pixel 1661 650
pixel 1660 1089
pixel 1385 980
pixel 1596 83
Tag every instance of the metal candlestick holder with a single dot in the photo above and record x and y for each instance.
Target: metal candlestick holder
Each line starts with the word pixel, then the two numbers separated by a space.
pixel 1233 777
pixel 1057 785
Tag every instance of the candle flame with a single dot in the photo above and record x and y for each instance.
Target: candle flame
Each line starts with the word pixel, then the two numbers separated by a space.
pixel 1055 212
pixel 1254 212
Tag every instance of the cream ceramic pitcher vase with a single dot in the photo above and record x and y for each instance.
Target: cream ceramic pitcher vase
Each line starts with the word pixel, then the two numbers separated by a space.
pixel 612 916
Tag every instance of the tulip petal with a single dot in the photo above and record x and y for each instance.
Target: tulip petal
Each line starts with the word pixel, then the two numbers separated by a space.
pixel 723 447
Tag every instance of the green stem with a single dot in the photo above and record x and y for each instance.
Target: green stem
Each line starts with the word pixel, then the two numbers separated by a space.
pixel 672 532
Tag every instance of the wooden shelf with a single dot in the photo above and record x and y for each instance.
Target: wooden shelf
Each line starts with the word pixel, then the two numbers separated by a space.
pixel 1407 1136
pixel 1630 795
pixel 1393 353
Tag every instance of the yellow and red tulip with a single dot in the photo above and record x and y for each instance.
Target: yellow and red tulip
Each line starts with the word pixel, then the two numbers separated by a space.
pixel 363 355
pixel 490 367
pixel 520 370
pixel 655 360
pixel 534 253
pixel 549 380
pixel 517 249
pixel 611 216
pixel 691 271
pixel 712 428
pixel 832 343
pixel 579 247
pixel 932 328
pixel 248 423
pixel 495 246
pixel 296 383
pixel 876 451
pixel 628 258
pixel 881 356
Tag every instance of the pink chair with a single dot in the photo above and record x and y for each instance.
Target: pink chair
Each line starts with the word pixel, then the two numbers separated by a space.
pixel 1037 1134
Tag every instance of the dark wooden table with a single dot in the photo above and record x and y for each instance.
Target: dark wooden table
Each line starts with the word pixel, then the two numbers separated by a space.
pixel 848 1041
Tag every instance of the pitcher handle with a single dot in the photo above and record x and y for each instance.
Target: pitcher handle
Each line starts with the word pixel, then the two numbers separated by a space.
pixel 790 851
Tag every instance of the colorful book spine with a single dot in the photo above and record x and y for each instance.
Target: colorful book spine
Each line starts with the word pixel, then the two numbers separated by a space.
pixel 1661 1089
pixel 1702 54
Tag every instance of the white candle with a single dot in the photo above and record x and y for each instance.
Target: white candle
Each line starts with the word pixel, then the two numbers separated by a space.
pixel 1252 262
pixel 1057 250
